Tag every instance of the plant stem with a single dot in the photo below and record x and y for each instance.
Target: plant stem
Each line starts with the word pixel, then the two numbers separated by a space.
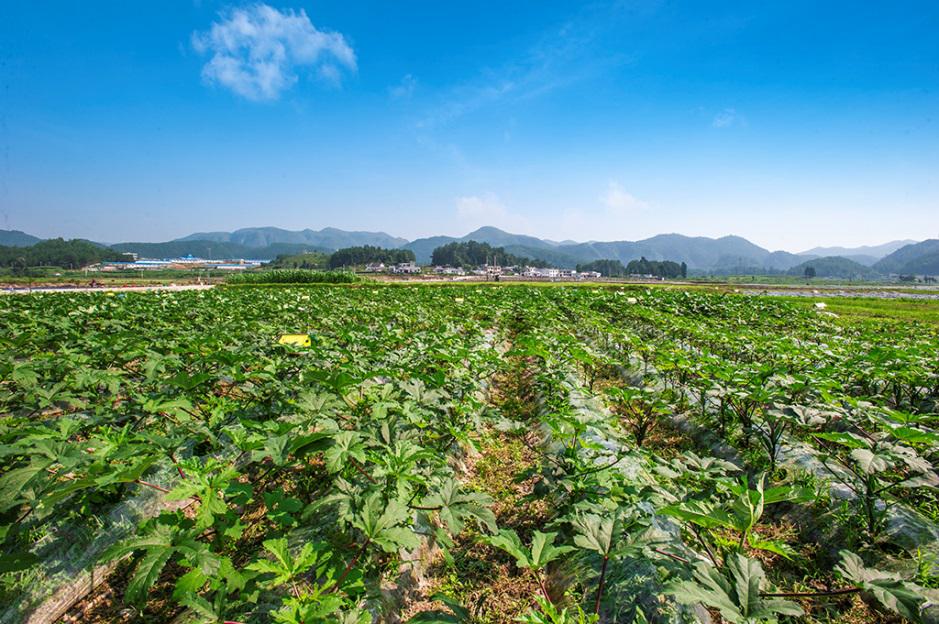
pixel 362 471
pixel 351 564
pixel 152 485
pixel 596 604
pixel 544 590
pixel 182 475
pixel 836 592
pixel 670 555
pixel 707 548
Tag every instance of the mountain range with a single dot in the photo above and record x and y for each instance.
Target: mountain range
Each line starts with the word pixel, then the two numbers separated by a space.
pixel 15 238
pixel 327 238
pixel 866 255
pixel 725 255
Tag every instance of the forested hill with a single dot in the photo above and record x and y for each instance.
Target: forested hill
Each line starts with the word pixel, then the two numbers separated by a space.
pixel 73 254
pixel 701 255
pixel 834 267
pixel 471 253
pixel 916 259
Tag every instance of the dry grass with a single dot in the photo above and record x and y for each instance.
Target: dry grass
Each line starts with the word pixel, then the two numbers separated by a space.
pixel 105 604
pixel 485 579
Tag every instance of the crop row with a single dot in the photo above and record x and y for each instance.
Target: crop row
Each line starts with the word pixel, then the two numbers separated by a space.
pixel 315 483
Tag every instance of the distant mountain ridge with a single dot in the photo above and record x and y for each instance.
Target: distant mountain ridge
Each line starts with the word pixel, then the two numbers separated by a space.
pixel 875 251
pixel 837 267
pixel 698 252
pixel 724 255
pixel 868 255
pixel 916 259
pixel 16 238
pixel 214 250
pixel 327 238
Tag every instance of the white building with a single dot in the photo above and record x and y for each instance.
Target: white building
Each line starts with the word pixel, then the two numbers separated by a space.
pixel 449 270
pixel 406 268
pixel 541 272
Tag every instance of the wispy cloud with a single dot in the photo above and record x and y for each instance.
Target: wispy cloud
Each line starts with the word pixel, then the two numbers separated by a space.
pixel 404 89
pixel 726 118
pixel 560 57
pixel 618 201
pixel 615 214
pixel 256 51
pixel 476 211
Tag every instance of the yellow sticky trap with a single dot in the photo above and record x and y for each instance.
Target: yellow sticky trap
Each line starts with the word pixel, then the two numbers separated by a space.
pixel 297 340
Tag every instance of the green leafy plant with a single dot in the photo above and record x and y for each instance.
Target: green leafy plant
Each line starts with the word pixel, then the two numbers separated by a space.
pixel 542 552
pixel 548 613
pixel 455 613
pixel 736 591
pixel 871 466
pixel 163 541
pixel 740 514
pixel 642 408
pixel 900 596
pixel 618 533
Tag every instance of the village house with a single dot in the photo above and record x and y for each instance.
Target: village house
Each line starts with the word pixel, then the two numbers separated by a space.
pixel 406 268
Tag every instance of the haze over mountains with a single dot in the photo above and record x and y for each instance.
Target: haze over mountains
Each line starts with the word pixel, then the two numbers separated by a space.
pixel 866 255
pixel 725 255
pixel 327 238
pixel 16 238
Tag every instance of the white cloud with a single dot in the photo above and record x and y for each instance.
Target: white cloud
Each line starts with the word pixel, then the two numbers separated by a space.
pixel 563 55
pixel 726 118
pixel 403 89
pixel 483 209
pixel 256 51
pixel 619 202
pixel 475 211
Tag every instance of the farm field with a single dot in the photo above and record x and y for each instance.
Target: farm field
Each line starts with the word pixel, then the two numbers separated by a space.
pixel 467 453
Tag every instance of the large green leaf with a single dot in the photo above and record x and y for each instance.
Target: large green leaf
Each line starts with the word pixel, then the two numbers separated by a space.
pixel 457 506
pixel 347 446
pixel 543 550
pixel 594 533
pixel 146 574
pixel 889 589
pixel 380 523
pixel 509 541
pixel 735 592
pixel 457 614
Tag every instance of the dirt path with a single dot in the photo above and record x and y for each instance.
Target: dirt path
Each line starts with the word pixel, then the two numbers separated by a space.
pixel 47 289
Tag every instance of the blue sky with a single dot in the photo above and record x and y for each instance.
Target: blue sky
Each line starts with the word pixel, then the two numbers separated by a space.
pixel 792 123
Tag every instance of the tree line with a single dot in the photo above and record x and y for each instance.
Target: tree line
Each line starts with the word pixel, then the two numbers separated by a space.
pixel 310 260
pixel 606 268
pixel 657 268
pixel 471 254
pixel 346 257
pixel 57 252
pixel 368 254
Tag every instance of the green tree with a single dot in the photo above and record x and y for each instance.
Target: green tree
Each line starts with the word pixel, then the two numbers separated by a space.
pixel 57 252
pixel 471 253
pixel 366 254
pixel 606 268
pixel 664 268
